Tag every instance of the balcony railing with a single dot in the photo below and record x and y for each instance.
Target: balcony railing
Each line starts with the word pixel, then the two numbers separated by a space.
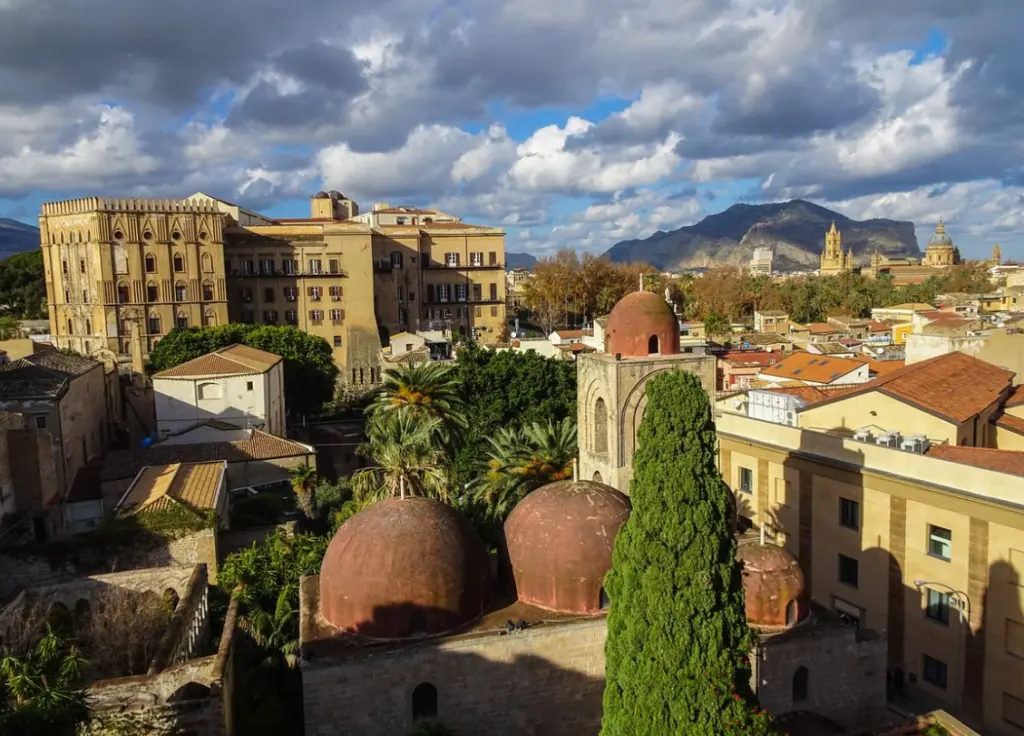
pixel 463 266
pixel 236 273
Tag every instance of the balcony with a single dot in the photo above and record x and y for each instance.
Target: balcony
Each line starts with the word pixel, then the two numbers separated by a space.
pixel 463 266
pixel 463 302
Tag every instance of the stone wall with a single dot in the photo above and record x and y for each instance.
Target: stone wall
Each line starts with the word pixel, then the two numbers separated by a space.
pixel 188 631
pixel 542 681
pixel 63 561
pixel 846 670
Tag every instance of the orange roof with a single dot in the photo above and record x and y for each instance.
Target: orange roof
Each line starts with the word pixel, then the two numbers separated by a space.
pixel 1010 422
pixel 885 367
pixel 1016 396
pixel 569 333
pixel 162 486
pixel 234 360
pixel 876 326
pixel 954 386
pixel 810 367
pixel 1001 461
pixel 576 347
pixel 821 328
pixel 810 394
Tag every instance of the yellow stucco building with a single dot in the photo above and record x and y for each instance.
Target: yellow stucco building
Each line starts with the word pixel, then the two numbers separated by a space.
pixel 904 500
pixel 122 273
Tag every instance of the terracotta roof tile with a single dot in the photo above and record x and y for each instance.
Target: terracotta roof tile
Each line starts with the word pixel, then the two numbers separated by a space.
pixel 234 360
pixel 810 367
pixel 954 386
pixel 569 333
pixel 821 328
pixel 1010 422
pixel 1001 461
pixel 1016 396
pixel 42 374
pixel 260 446
pixel 876 326
pixel 161 486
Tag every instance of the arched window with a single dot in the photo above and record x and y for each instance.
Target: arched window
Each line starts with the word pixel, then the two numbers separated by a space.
pixel 791 612
pixel 152 292
pixel 181 322
pixel 652 345
pixel 207 291
pixel 179 264
pixel 154 324
pixel 210 318
pixel 207 263
pixel 800 684
pixel 71 327
pixel 150 263
pixel 180 291
pixel 597 477
pixel 604 601
pixel 424 701
pixel 209 391
pixel 123 293
pixel 600 427
pixel 88 327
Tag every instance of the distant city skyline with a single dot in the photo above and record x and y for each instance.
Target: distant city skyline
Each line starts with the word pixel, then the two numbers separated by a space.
pixel 571 125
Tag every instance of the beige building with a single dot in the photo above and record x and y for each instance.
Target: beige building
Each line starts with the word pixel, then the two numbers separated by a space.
pixel 54 418
pixel 761 261
pixel 904 519
pixel 515 281
pixel 236 385
pixel 833 259
pixel 122 273
pixel 771 320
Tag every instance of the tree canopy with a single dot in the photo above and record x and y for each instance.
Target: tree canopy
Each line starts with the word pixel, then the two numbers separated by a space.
pixel 23 285
pixel 309 369
pixel 678 641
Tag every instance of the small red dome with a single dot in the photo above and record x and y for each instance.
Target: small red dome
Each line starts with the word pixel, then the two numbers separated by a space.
pixel 642 324
pixel 559 542
pixel 773 584
pixel 403 567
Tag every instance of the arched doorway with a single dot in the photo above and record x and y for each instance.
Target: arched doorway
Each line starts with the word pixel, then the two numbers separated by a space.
pixel 424 701
pixel 652 345
pixel 600 427
pixel 800 684
pixel 597 477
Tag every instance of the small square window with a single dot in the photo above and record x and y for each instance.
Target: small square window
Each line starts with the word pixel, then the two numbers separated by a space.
pixel 849 513
pixel 849 571
pixel 746 480
pixel 337 341
pixel 940 543
pixel 40 422
pixel 248 385
pixel 935 672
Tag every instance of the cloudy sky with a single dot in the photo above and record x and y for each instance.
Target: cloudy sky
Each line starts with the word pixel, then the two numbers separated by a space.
pixel 570 122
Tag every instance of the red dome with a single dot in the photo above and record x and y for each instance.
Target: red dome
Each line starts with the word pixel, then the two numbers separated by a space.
pixel 642 324
pixel 404 567
pixel 773 584
pixel 559 542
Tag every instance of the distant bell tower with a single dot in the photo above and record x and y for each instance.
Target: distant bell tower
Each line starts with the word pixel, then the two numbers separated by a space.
pixel 997 255
pixel 833 260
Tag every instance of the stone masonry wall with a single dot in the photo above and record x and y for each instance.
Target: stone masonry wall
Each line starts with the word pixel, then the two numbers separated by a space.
pixel 543 681
pixel 845 667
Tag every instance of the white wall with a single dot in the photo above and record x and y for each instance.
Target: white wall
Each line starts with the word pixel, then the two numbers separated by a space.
pixel 923 347
pixel 231 400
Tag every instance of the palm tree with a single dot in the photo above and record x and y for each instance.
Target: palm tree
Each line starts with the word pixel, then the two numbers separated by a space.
pixel 38 687
pixel 524 459
pixel 407 459
pixel 303 479
pixel 425 389
pixel 275 632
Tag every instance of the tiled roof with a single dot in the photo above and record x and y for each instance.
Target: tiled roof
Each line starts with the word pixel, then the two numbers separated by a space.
pixel 912 306
pixel 833 348
pixel 1016 396
pixel 41 374
pixel 765 338
pixel 821 328
pixel 234 360
pixel 569 333
pixel 162 486
pixel 1010 422
pixel 260 446
pixel 876 326
pixel 1001 461
pixel 954 386
pixel 810 367
pixel 885 367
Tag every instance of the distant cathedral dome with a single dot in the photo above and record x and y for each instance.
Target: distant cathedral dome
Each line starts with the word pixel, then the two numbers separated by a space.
pixel 404 567
pixel 773 584
pixel 941 237
pixel 642 324
pixel 559 541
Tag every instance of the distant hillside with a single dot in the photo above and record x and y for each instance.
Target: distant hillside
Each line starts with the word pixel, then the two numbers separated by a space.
pixel 16 237
pixel 796 229
pixel 519 260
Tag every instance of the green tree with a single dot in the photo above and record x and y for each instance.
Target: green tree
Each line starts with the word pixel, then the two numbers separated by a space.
pixel 716 324
pixel 23 285
pixel 37 692
pixel 274 631
pixel 424 390
pixel 309 369
pixel 678 640
pixel 407 461
pixel 303 479
pixel 8 327
pixel 524 459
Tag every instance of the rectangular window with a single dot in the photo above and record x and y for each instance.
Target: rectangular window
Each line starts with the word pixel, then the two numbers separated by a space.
pixel 316 315
pixel 492 258
pixel 85 296
pixel 412 296
pixel 430 292
pixel 267 267
pixel 460 292
pixel 1013 710
pixel 849 571
pixel 476 259
pixel 41 422
pixel 494 311
pixel 849 513
pixel 81 266
pixel 248 268
pixel 478 292
pixel 335 292
pixel 247 295
pixel 451 260
pixel 337 341
pixel 935 671
pixel 478 311
pixel 291 317
pixel 746 480
pixel 443 292
pixel 268 294
pixel 336 315
pixel 334 266
pixel 291 293
pixel 401 295
pixel 937 606
pixel 315 266
pixel 494 292
pixel 847 611
pixel 403 316
pixel 940 542
pixel 270 317
pixel 290 265
pixel 248 385
pixel 396 260
pixel 315 292
pixel 1015 638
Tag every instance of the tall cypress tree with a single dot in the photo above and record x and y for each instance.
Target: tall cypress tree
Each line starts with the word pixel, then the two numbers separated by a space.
pixel 678 641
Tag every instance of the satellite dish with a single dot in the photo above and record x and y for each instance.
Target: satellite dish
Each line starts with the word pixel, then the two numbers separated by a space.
pixel 768 349
pixel 879 351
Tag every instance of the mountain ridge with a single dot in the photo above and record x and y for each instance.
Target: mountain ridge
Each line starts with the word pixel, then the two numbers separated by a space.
pixel 795 229
pixel 17 237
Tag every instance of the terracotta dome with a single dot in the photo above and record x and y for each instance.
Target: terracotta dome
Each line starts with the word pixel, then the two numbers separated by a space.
pixel 558 542
pixel 642 324
pixel 404 567
pixel 773 584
